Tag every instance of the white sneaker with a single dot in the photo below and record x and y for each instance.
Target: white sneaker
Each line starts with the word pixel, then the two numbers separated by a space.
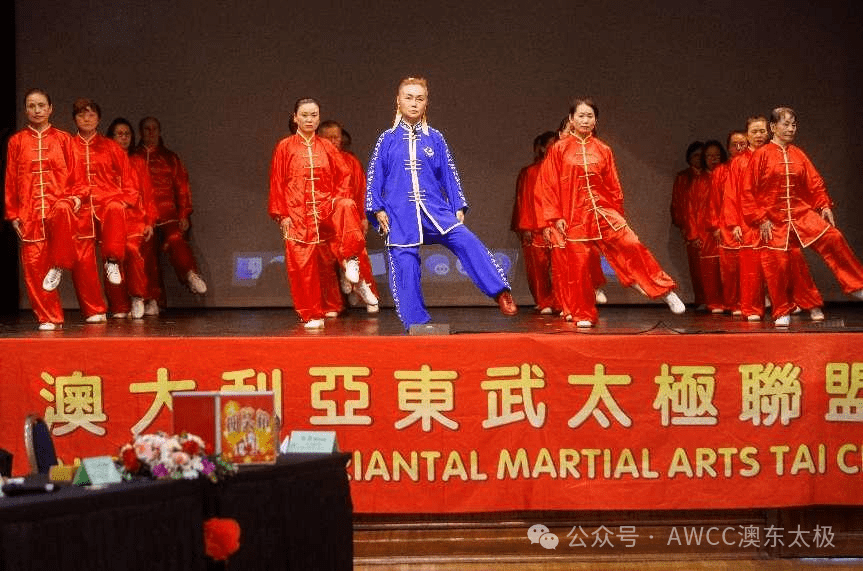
pixel 364 290
pixel 196 283
pixel 119 315
pixel 858 294
pixel 546 311
pixel 52 279
pixel 138 308
pixel 372 308
pixel 352 270
pixel 97 318
pixel 716 311
pixel 151 307
pixel 753 317
pixel 584 323
pixel 783 321
pixel 48 326
pixel 599 295
pixel 344 284
pixel 331 314
pixel 314 324
pixel 674 303
pixel 568 317
pixel 815 314
pixel 736 313
pixel 112 272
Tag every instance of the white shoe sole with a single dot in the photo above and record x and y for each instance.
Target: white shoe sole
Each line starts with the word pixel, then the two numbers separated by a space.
pixel 364 290
pixel 137 311
pixel 112 273
pixel 196 283
pixel 52 279
pixel 674 304
pixel 352 270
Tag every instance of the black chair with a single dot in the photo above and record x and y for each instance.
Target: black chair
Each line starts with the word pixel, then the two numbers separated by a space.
pixel 40 446
pixel 5 463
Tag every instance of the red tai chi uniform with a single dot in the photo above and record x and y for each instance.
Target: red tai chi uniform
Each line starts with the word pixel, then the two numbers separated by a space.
pixel 528 224
pixel 687 183
pixel 705 213
pixel 729 247
pixel 358 195
pixel 138 216
pixel 103 172
pixel 751 285
pixel 37 168
pixel 309 181
pixel 781 185
pixel 173 201
pixel 751 279
pixel 579 184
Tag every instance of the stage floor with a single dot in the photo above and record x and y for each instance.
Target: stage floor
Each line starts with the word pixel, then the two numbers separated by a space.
pixel 282 322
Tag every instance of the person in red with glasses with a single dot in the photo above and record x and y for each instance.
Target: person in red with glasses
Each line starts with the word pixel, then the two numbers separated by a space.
pixel 131 297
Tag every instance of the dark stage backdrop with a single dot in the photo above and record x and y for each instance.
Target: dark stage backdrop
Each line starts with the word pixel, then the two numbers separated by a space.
pixel 223 76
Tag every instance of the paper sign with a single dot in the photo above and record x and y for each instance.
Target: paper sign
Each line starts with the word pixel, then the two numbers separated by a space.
pixel 99 470
pixel 323 441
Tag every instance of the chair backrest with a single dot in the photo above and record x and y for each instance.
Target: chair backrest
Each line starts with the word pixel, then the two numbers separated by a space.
pixel 39 444
pixel 5 463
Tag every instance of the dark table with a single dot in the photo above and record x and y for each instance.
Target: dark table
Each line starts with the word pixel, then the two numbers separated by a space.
pixel 130 526
pixel 294 515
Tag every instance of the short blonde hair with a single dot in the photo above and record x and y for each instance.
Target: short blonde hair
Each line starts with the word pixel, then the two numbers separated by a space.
pixel 421 81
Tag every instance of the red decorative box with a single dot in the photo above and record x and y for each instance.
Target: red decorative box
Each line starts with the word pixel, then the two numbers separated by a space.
pixel 242 426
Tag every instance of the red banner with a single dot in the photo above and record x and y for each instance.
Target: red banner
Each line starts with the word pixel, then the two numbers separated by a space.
pixel 469 423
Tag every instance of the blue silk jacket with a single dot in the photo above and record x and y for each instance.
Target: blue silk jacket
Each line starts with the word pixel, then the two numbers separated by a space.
pixel 412 174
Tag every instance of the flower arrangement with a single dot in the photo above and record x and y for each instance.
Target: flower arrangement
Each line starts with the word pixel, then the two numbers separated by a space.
pixel 161 456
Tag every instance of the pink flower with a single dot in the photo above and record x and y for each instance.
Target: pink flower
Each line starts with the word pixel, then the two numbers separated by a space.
pixel 145 451
pixel 180 458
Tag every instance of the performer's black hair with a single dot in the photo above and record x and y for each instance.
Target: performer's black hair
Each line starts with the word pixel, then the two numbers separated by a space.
pixel 723 154
pixel 33 90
